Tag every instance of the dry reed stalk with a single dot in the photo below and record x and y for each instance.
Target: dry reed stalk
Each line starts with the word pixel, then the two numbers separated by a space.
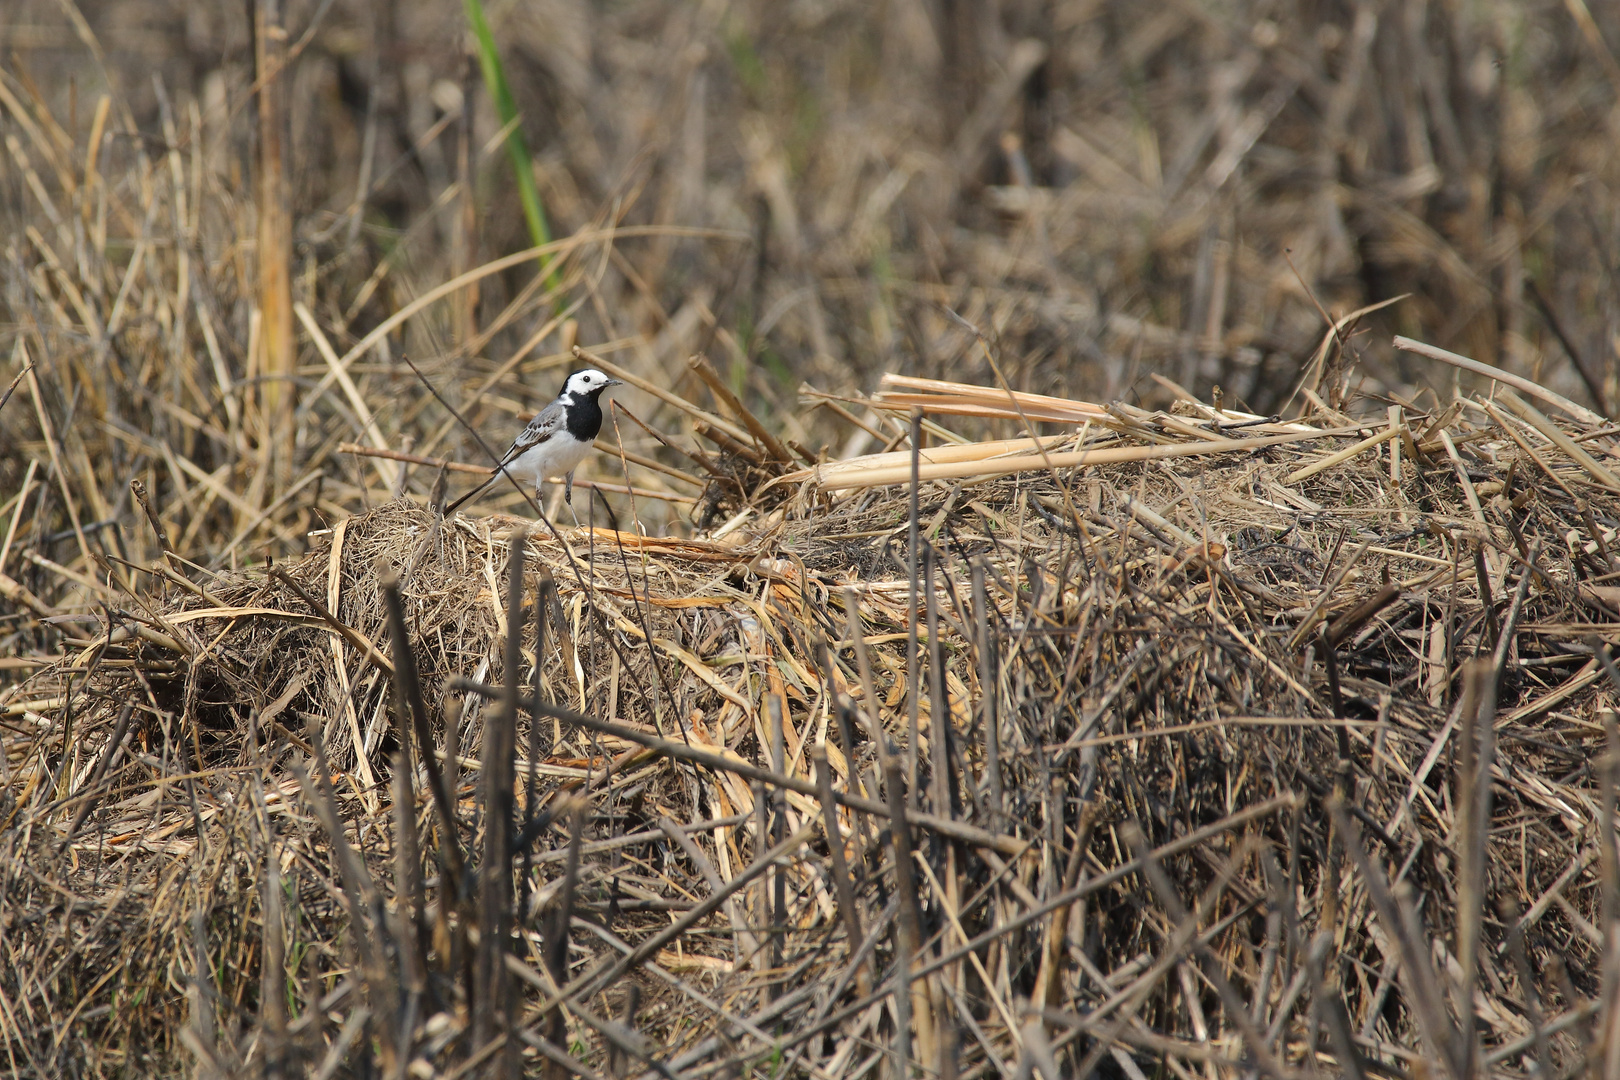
pixel 910 996
pixel 492 1005
pixel 856 473
pixel 723 394
pixel 936 396
pixel 273 238
pixel 913 684
pixel 1534 418
pixel 1518 382
pixel 440 785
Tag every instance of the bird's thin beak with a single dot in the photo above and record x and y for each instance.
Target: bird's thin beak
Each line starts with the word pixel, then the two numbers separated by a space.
pixel 614 382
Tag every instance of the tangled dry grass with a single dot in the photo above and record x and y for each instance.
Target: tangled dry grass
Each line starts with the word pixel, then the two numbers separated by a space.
pixel 1257 727
pixel 1253 759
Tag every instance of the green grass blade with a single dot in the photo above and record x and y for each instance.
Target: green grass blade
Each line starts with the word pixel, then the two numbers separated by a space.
pixel 517 148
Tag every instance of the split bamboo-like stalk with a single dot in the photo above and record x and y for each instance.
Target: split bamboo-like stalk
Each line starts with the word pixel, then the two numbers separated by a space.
pixel 984 461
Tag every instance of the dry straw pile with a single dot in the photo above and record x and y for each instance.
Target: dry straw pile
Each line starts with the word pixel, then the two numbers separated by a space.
pixel 1238 745
pixel 879 716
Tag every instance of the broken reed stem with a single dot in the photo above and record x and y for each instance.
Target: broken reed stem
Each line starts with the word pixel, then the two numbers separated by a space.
pixel 911 996
pixel 137 488
pixel 1472 813
pixel 555 938
pixel 1482 578
pixel 1329 1008
pixel 939 706
pixel 273 976
pixel 987 689
pixel 409 690
pixel 1508 910
pixel 1510 626
pixel 1579 412
pixel 618 1059
pixel 1394 913
pixel 358 895
pixel 1330 665
pixel 705 371
pixel 842 887
pixel 913 690
pixel 774 708
pixel 855 783
pixel 544 590
pixel 492 1012
pixel 844 731
pixel 1609 867
pixel 349 633
pixel 1346 625
pixel 408 876
pixel 762 826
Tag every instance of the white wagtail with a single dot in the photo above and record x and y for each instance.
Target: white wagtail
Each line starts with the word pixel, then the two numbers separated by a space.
pixel 556 440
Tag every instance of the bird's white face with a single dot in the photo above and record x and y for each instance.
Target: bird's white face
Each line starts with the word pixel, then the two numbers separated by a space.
pixel 584 383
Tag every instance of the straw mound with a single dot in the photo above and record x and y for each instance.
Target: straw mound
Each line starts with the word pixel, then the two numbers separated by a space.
pixel 1157 637
pixel 274 654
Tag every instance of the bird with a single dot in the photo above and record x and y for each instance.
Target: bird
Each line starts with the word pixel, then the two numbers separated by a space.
pixel 556 440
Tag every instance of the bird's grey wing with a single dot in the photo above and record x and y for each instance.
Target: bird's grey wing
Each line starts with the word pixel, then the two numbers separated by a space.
pixel 546 423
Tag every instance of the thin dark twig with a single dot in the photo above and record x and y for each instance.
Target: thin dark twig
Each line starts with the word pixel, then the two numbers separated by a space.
pixel 939 706
pixel 13 387
pixel 542 611
pixel 775 707
pixel 1594 385
pixel 988 691
pixel 908 927
pixel 842 887
pixel 913 691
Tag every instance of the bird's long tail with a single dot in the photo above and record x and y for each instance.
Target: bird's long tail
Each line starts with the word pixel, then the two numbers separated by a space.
pixel 479 490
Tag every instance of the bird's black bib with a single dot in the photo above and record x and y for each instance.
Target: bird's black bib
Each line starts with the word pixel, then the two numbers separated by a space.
pixel 584 415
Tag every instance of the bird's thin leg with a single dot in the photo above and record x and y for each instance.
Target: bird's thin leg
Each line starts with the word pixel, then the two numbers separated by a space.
pixel 568 495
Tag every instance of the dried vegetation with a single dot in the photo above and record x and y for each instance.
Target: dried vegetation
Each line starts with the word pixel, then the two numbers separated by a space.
pixel 1261 729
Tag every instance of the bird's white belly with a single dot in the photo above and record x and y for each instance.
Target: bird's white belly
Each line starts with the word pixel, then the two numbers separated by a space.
pixel 552 459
